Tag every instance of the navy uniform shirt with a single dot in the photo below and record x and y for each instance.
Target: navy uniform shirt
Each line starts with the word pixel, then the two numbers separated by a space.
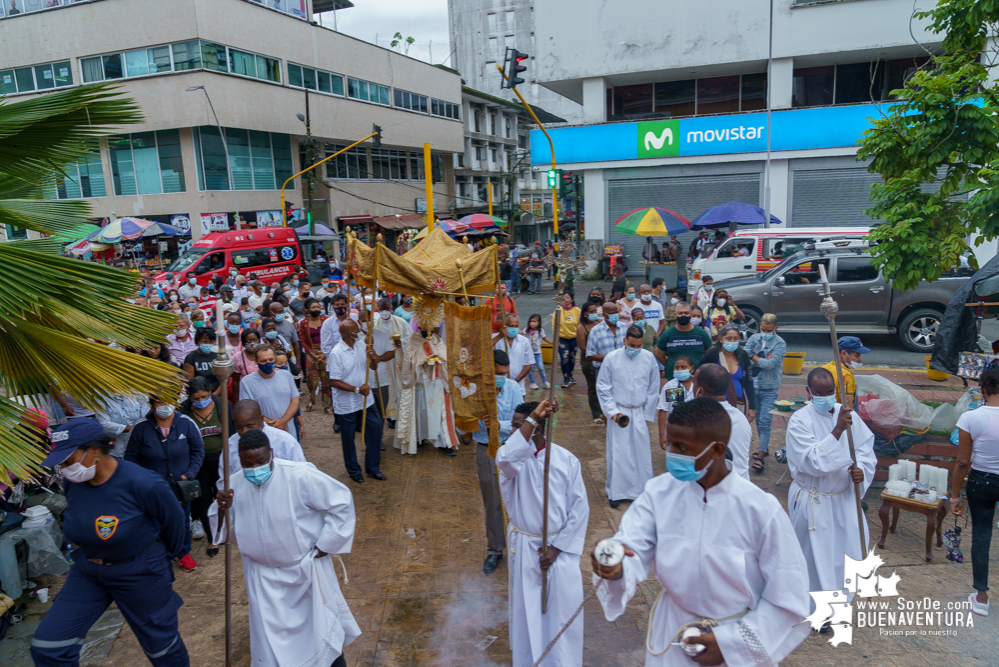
pixel 124 515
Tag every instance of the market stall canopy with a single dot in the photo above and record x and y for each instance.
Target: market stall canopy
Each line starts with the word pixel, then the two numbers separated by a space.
pixel 436 264
pixel 734 211
pixel 127 229
pixel 411 221
pixel 956 332
pixel 321 230
pixel 162 229
pixel 83 246
pixel 481 221
pixel 652 221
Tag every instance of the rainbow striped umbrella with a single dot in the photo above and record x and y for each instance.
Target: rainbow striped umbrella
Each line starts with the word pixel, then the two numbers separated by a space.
pixel 482 220
pixel 653 221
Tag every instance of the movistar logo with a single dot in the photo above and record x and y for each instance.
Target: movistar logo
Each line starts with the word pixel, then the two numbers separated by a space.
pixel 659 138
pixel 651 140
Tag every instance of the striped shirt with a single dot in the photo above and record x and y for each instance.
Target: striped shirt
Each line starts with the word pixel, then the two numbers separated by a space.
pixel 603 341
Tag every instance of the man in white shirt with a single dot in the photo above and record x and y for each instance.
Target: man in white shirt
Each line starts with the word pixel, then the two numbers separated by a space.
pixel 350 395
pixel 516 345
pixel 382 378
pixel 711 381
pixel 392 325
pixel 329 334
pixel 256 295
pixel 628 386
pixel 654 313
pixel 273 389
pixel 190 288
pixel 247 417
pixel 821 500
pixel 720 547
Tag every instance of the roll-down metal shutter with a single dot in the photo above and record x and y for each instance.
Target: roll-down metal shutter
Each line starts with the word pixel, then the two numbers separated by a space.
pixel 832 197
pixel 687 195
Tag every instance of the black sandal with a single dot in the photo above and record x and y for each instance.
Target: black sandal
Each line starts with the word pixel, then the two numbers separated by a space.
pixel 758 462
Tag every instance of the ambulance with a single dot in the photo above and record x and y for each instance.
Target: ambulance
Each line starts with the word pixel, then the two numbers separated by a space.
pixel 272 253
pixel 746 252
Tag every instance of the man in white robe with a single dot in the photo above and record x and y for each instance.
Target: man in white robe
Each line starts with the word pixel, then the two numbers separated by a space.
pixel 288 519
pixel 821 501
pixel 425 411
pixel 247 417
pixel 392 325
pixel 521 461
pixel 628 386
pixel 711 381
pixel 721 548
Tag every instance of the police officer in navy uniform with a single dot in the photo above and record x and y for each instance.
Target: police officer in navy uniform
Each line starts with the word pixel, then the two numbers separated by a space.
pixel 126 524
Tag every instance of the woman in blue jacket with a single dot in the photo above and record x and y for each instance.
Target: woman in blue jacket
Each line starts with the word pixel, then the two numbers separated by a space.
pixel 169 443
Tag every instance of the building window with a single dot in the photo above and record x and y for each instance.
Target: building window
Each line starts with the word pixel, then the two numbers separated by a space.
pixel 676 98
pixel 82 180
pixel 754 92
pixel 367 92
pixel 388 164
pixel 181 57
pixel 186 56
pixel 294 7
pixel 690 97
pixel 508 127
pixel 214 57
pixel 522 141
pixel 852 83
pixel 718 94
pixel 352 165
pixel 511 19
pixel 449 110
pixel 147 163
pixel 16 232
pixel 39 77
pixel 480 154
pixel 411 101
pixel 491 23
pixel 258 160
pixel 494 155
pixel 633 101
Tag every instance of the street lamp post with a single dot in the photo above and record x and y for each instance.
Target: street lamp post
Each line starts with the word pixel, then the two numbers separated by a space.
pixel 310 156
pixel 225 147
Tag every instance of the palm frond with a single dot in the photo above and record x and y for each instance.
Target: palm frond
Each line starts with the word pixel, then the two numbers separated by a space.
pixel 20 452
pixel 49 246
pixel 65 219
pixel 44 134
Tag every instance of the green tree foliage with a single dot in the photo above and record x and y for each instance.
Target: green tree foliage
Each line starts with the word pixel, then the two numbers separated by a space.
pixel 937 150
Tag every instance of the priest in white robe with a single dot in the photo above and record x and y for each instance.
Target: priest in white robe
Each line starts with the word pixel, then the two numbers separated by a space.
pixel 821 501
pixel 425 409
pixel 521 461
pixel 288 519
pixel 398 331
pixel 247 417
pixel 721 548
pixel 628 386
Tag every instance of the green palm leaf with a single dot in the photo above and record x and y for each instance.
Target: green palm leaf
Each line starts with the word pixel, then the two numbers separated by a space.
pixel 20 452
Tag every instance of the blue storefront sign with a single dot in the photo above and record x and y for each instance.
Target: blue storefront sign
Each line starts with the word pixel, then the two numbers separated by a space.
pixel 794 129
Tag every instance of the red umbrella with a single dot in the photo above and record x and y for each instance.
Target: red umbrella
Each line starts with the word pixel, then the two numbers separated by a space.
pixel 481 220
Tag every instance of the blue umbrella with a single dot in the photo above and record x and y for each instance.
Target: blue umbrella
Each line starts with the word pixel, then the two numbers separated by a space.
pixel 321 230
pixel 734 211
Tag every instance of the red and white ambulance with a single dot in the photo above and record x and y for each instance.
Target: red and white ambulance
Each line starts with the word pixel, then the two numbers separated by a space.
pixel 272 253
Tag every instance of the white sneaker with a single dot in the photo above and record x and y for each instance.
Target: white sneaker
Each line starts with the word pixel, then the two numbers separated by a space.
pixel 977 607
pixel 197 530
pixel 534 385
pixel 548 385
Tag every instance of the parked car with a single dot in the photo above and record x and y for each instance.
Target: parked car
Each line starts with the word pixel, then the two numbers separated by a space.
pixel 868 304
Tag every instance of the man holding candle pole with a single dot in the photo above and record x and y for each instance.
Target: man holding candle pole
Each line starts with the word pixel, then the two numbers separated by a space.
pixel 821 502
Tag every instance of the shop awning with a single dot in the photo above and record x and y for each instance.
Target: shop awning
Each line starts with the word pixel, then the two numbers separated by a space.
pixel 411 221
pixel 354 220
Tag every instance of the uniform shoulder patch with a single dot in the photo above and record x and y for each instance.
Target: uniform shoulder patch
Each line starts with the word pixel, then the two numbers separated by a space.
pixel 106 525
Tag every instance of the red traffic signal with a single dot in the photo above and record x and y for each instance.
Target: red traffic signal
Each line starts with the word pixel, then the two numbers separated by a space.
pixel 513 66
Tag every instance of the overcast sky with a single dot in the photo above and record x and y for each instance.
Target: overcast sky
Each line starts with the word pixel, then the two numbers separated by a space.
pixel 423 20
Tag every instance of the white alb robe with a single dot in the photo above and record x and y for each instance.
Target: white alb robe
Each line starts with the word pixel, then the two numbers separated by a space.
pixel 522 478
pixel 716 553
pixel 739 439
pixel 399 326
pixel 630 387
pixel 298 615
pixel 424 411
pixel 283 444
pixel 819 462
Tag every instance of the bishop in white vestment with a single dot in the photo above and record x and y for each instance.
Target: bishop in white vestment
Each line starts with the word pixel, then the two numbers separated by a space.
pixel 289 519
pixel 821 500
pixel 424 413
pixel 628 385
pixel 720 547
pixel 522 477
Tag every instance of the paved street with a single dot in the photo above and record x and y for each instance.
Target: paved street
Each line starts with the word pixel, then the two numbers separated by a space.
pixel 417 589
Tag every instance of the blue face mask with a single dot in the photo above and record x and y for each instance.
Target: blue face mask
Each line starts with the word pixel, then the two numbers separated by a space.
pixel 682 376
pixel 279 318
pixel 594 317
pixel 612 319
pixel 730 346
pixel 198 323
pixel 632 352
pixel 824 403
pixel 259 475
pixel 682 467
pixel 234 329
pixel 205 348
pixel 511 332
pixel 203 403
pixel 271 335
pixel 500 381
pixel 766 336
pixel 283 368
pixel 267 368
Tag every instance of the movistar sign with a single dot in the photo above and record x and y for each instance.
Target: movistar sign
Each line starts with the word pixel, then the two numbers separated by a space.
pixel 795 129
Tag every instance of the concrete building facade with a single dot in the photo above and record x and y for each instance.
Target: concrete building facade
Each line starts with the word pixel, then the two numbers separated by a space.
pixel 256 61
pixel 492 128
pixel 674 98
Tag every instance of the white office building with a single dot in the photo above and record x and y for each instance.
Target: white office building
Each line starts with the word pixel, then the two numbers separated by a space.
pixel 674 99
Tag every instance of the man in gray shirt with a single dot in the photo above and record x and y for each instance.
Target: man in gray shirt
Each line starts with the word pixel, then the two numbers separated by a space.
pixel 286 329
pixel 273 389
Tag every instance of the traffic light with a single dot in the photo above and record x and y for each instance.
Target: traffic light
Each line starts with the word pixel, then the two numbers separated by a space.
pixel 290 212
pixel 378 136
pixel 566 185
pixel 512 67
pixel 552 179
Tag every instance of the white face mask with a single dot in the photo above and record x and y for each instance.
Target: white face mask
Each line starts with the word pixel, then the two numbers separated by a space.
pixel 674 301
pixel 386 314
pixel 721 302
pixel 695 321
pixel 164 411
pixel 646 298
pixel 77 473
pixel 856 364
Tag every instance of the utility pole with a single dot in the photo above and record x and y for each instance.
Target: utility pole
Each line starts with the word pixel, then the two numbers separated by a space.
pixel 310 158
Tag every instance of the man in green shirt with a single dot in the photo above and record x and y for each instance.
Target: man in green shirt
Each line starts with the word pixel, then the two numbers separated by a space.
pixel 681 338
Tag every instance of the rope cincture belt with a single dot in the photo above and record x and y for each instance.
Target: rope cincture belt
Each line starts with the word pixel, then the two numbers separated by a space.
pixel 704 623
pixel 631 407
pixel 815 498
pixel 513 528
